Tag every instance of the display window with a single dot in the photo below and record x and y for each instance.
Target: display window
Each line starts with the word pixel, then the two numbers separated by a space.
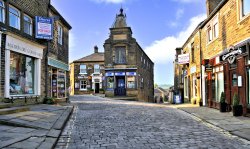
pixel 58 80
pixel 130 81
pixel 110 82
pixel 21 74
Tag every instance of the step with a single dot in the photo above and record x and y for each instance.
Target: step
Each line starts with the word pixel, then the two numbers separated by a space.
pixel 5 105
pixel 12 110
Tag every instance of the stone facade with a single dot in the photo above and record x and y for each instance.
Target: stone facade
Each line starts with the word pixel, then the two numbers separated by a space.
pixel 128 70
pixel 94 80
pixel 29 8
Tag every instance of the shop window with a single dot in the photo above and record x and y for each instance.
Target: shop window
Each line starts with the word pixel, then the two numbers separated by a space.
pixel 219 85
pixel 21 74
pixel 194 86
pixel 234 80
pixel 61 80
pixel 186 86
pixel 213 87
pixel 60 34
pixel 131 82
pixel 110 82
pixel 83 69
pixel 120 55
pixel 245 7
pixel 96 68
pixel 14 17
pixel 2 11
pixel 83 85
pixel 27 25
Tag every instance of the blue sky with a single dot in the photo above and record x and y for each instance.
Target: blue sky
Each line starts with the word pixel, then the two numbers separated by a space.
pixel 159 26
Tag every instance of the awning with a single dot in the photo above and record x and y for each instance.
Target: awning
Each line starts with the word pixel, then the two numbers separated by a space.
pixel 58 64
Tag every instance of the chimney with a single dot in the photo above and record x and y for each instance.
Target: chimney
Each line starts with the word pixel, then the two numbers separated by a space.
pixel 96 49
pixel 211 5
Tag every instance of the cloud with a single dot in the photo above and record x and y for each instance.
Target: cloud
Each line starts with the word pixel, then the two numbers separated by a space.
pixel 163 51
pixel 179 13
pixel 109 1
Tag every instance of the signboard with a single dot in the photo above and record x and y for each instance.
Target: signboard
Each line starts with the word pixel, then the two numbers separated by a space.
pixel 58 64
pixel 109 74
pixel 44 27
pixel 131 73
pixel 183 58
pixel 120 74
pixel 231 56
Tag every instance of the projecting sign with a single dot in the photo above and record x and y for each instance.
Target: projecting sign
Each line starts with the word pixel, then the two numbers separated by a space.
pixel 109 74
pixel 44 27
pixel 131 73
pixel 120 74
pixel 183 58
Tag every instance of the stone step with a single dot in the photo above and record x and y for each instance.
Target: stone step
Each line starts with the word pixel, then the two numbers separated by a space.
pixel 13 110
pixel 5 105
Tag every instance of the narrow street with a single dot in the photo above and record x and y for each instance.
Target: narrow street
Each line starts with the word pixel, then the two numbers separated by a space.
pixel 104 123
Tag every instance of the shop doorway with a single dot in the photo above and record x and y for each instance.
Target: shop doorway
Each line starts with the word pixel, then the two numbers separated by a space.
pixel 233 84
pixel 120 86
pixel 97 87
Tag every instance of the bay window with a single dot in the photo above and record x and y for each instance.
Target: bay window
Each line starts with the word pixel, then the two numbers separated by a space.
pixel 14 17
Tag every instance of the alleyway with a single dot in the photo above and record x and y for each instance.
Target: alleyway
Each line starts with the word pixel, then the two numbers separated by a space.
pixel 104 123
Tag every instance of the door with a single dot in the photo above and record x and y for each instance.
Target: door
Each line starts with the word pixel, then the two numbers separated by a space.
pixel 233 81
pixel 120 86
pixel 97 87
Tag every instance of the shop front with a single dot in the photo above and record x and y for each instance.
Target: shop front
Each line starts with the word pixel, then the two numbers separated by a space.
pixel 58 78
pixel 121 83
pixel 22 67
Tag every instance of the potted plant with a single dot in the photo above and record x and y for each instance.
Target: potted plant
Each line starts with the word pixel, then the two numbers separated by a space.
pixel 199 101
pixel 237 108
pixel 223 104
pixel 193 100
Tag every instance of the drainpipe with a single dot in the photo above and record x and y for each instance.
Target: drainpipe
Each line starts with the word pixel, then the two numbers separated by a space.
pixel 201 71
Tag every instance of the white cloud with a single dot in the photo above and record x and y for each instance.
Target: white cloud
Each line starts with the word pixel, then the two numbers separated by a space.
pixel 163 51
pixel 110 1
pixel 179 13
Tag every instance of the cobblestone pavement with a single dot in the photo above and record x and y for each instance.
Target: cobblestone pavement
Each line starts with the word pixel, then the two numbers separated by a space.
pixel 104 123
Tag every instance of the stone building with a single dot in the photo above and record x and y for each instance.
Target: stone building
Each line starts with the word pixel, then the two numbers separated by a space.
pixel 128 69
pixel 23 55
pixel 222 42
pixel 87 74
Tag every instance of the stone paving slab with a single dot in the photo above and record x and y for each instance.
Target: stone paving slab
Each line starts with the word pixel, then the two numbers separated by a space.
pixel 35 127
pixel 239 126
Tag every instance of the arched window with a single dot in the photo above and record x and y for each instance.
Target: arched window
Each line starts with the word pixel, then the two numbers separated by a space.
pixel 2 11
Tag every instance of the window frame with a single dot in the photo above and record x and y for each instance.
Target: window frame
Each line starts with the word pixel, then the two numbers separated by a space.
pixel 119 51
pixel 30 24
pixel 85 72
pixel 97 71
pixel 2 8
pixel 242 9
pixel 18 16
pixel 82 83
pixel 192 52
pixel 60 34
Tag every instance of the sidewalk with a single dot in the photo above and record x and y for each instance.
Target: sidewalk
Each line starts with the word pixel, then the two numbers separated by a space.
pixel 239 126
pixel 39 127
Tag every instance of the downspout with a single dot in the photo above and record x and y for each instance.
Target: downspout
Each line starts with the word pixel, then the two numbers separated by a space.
pixel 201 71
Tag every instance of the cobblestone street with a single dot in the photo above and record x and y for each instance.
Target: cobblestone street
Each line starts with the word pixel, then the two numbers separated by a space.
pixel 105 123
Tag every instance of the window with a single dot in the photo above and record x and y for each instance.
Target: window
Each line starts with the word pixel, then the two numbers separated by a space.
pixel 216 30
pixel 21 74
pixel 142 84
pixel 186 86
pixel 27 24
pixel 131 82
pixel 245 7
pixel 61 86
pixel 219 85
pixel 2 11
pixel 120 55
pixel 195 87
pixel 83 85
pixel 96 68
pixel 209 33
pixel 192 52
pixel 14 17
pixel 110 82
pixel 83 69
pixel 60 34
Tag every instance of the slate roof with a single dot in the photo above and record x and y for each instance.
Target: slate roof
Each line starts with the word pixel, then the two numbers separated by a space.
pixel 95 57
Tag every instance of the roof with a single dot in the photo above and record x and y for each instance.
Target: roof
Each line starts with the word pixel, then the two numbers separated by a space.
pixel 120 20
pixel 156 90
pixel 95 57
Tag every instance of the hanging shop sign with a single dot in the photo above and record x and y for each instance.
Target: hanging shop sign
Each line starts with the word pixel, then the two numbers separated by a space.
pixel 183 58
pixel 44 27
pixel 231 56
